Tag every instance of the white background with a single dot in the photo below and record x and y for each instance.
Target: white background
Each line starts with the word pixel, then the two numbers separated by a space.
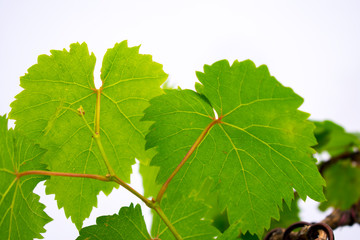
pixel 312 46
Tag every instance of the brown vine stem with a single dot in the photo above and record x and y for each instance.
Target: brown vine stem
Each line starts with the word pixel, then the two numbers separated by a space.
pixel 336 219
pixel 353 156
pixel 187 156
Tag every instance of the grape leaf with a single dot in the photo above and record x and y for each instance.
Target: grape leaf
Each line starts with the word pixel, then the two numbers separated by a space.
pixel 257 150
pixel 334 139
pixel 61 87
pixel 288 215
pixel 219 217
pixel 129 224
pixel 187 216
pixel 149 174
pixel 21 214
pixel 233 233
pixel 343 181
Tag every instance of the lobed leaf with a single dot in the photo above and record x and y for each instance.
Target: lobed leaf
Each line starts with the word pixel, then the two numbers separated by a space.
pixel 58 89
pixel 22 216
pixel 129 224
pixel 257 151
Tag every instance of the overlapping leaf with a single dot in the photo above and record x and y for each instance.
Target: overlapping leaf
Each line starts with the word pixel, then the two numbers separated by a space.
pixel 233 233
pixel 149 174
pixel 129 224
pixel 21 214
pixel 342 190
pixel 288 215
pixel 334 139
pixel 187 216
pixel 257 154
pixel 54 90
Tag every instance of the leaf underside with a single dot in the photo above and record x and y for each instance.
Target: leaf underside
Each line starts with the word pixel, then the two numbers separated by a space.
pixel 46 111
pixel 187 216
pixel 257 155
pixel 22 216
pixel 148 174
pixel 128 224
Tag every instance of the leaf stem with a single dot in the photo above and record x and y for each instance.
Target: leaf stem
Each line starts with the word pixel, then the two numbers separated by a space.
pixel 108 178
pixel 118 180
pixel 187 156
pixel 62 174
pixel 96 134
pixel 92 176
pixel 97 111
pixel 103 154
pixel 162 215
pixel 83 118
pixel 114 178
pixel 111 176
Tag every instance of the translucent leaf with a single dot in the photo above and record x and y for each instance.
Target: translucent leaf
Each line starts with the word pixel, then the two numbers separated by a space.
pixel 343 181
pixel 60 88
pixel 187 216
pixel 149 174
pixel 21 214
pixel 334 139
pixel 257 152
pixel 129 224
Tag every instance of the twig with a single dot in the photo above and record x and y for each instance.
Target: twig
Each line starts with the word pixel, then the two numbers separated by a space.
pixel 319 231
pixel 353 156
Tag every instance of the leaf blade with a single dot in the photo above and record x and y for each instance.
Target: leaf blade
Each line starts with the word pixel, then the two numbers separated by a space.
pixel 187 216
pixel 18 203
pixel 48 111
pixel 257 153
pixel 128 224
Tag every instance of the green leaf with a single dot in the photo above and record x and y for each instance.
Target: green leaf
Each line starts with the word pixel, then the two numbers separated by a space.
pixel 233 233
pixel 22 216
pixel 149 174
pixel 219 217
pixel 343 181
pixel 257 152
pixel 129 224
pixel 334 139
pixel 288 215
pixel 187 216
pixel 60 88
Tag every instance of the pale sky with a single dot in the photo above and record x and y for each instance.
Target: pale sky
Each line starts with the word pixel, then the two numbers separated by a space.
pixel 311 46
